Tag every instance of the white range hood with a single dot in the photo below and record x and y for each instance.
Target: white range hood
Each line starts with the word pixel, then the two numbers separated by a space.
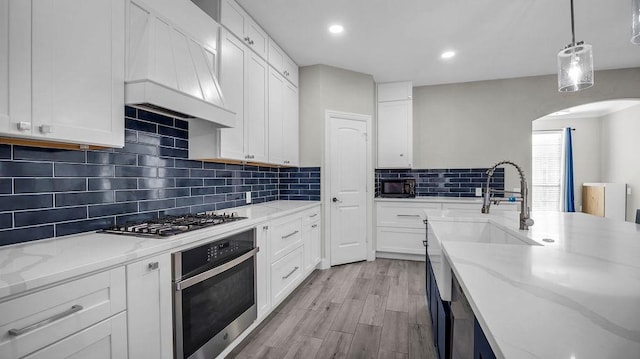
pixel 171 71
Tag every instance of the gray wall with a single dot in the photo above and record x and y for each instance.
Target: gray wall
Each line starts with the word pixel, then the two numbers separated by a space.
pixel 329 88
pixel 620 151
pixel 475 124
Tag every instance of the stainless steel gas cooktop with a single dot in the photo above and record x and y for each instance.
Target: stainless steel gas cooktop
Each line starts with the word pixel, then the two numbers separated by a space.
pixel 172 225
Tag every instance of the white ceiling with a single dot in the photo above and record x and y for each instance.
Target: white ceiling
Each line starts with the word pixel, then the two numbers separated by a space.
pixel 403 39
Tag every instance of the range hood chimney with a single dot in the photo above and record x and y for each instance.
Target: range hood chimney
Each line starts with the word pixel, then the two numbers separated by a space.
pixel 170 71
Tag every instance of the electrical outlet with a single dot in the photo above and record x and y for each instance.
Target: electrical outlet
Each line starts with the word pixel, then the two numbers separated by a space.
pixel 247 197
pixel 478 191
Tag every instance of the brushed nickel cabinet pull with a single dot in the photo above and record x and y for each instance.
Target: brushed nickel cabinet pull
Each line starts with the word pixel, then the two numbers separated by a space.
pixel 51 319
pixel 290 234
pixel 290 273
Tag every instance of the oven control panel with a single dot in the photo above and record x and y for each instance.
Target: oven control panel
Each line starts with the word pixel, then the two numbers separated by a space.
pixel 202 258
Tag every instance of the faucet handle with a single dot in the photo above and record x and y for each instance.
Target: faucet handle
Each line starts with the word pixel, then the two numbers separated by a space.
pixel 529 221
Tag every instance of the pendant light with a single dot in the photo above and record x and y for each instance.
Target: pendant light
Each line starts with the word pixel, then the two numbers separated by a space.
pixel 575 64
pixel 635 23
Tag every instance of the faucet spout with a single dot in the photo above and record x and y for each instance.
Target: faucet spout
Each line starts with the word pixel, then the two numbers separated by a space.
pixel 525 219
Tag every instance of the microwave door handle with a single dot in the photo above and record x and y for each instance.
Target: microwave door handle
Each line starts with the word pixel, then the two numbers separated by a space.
pixel 188 282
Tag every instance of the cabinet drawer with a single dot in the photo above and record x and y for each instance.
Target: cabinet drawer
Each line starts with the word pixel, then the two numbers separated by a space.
pixel 76 305
pixel 107 339
pixel 285 273
pixel 310 216
pixel 405 216
pixel 400 240
pixel 285 236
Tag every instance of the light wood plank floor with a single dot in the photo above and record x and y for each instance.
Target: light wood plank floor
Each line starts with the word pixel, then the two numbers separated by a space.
pixel 360 310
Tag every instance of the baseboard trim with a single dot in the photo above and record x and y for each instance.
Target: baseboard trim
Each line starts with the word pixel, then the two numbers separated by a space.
pixel 403 256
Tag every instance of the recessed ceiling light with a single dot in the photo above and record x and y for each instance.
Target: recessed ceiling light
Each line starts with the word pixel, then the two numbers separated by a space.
pixel 448 54
pixel 336 29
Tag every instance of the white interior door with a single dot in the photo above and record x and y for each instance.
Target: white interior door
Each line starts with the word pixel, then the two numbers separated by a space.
pixel 348 177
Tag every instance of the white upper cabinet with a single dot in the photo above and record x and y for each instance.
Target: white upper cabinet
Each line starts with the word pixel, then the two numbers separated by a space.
pixel 395 125
pixel 283 120
pixel 256 130
pixel 236 20
pixel 282 63
pixel 290 126
pixel 65 62
pixel 243 78
pixel 395 91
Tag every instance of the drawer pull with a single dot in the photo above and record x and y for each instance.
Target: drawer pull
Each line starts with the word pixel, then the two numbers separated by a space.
pixel 313 215
pixel 153 265
pixel 314 226
pixel 73 309
pixel 290 234
pixel 409 215
pixel 290 273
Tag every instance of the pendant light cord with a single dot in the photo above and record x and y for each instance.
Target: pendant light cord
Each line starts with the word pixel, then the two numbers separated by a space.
pixel 573 27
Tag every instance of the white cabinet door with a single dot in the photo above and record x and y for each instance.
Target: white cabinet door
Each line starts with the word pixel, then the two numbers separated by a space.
pixel 291 70
pixel 234 18
pixel 290 126
pixel 263 268
pixel 66 78
pixel 78 71
pixel 107 339
pixel 316 244
pixel 395 91
pixel 256 131
pixel 395 134
pixel 311 239
pixel 149 311
pixel 232 79
pixel 282 63
pixel 283 120
pixel 276 117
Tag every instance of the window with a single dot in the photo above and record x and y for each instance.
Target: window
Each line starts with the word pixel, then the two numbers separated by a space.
pixel 547 170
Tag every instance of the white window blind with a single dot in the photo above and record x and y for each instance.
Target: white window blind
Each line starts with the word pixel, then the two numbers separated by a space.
pixel 547 167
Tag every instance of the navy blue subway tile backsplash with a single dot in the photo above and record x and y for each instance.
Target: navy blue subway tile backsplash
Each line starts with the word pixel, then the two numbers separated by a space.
pixel 51 192
pixel 444 182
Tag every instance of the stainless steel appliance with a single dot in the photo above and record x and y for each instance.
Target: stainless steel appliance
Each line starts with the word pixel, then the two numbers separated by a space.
pixel 172 225
pixel 398 188
pixel 215 294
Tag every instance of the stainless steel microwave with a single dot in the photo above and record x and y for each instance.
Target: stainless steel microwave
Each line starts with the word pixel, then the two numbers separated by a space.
pixel 398 188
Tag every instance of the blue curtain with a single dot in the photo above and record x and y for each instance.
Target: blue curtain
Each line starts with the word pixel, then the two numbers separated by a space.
pixel 568 193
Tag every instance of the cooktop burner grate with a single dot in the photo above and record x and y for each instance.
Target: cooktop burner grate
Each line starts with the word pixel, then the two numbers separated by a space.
pixel 172 225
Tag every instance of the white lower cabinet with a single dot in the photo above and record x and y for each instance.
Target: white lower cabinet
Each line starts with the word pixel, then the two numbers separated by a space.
pixel 285 274
pixel 149 308
pixel 293 251
pixel 263 269
pixel 107 339
pixel 42 319
pixel 400 228
pixel 311 237
pixel 400 240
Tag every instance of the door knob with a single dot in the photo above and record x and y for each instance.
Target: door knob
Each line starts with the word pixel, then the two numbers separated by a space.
pixel 335 200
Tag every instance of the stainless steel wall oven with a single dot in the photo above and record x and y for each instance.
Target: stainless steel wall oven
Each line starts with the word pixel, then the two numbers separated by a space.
pixel 215 294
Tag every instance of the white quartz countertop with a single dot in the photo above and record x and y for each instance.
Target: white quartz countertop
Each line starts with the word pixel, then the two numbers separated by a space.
pixel 576 297
pixel 30 265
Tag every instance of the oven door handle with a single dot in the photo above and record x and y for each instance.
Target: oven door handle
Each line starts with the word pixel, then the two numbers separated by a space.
pixel 186 283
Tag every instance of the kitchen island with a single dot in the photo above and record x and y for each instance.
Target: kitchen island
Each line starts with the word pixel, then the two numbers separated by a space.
pixel 569 287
